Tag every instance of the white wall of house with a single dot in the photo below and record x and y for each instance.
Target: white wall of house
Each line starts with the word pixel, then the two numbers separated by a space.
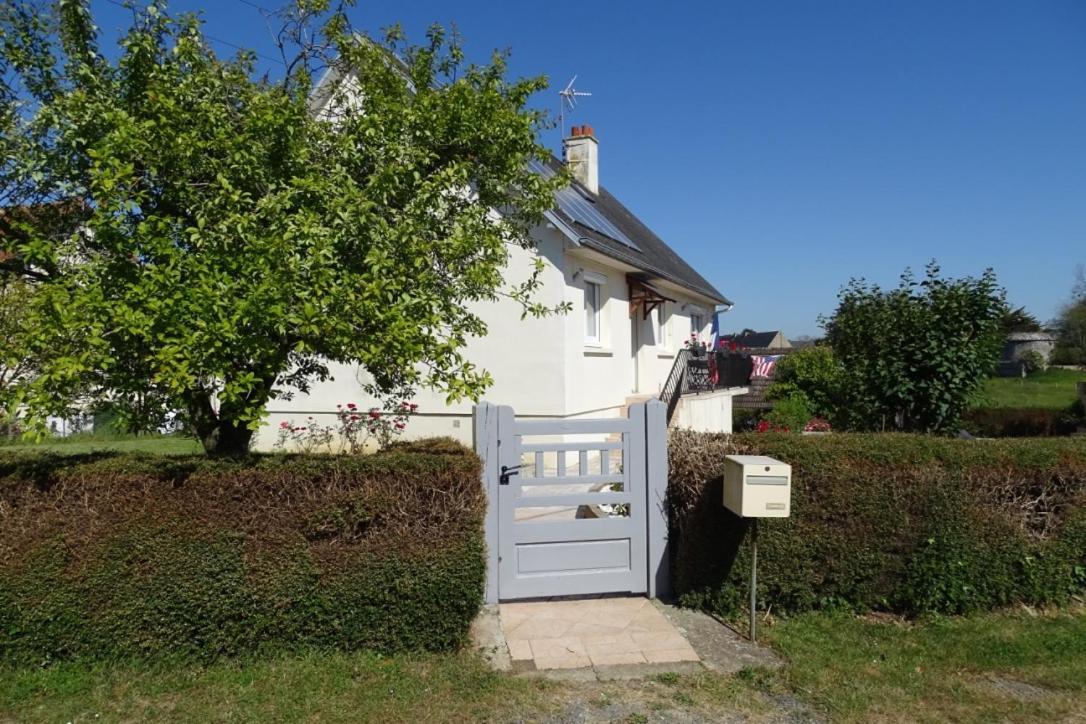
pixel 549 367
pixel 524 356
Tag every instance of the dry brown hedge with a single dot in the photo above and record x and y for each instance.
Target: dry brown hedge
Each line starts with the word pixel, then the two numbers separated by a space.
pixel 122 555
pixel 895 522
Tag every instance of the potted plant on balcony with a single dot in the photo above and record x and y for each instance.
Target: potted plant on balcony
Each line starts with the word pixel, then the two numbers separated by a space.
pixel 696 346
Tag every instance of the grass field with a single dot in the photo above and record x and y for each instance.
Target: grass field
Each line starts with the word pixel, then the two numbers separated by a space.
pixel 1051 389
pixel 1003 667
pixel 80 444
pixel 1014 667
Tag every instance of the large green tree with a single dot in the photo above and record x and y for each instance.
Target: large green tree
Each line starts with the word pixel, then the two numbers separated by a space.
pixel 233 242
pixel 914 356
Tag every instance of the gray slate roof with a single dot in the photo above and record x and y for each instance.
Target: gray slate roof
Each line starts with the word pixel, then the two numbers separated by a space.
pixel 653 255
pixel 754 340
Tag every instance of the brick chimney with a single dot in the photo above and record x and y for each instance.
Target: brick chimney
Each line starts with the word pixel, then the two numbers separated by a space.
pixel 582 152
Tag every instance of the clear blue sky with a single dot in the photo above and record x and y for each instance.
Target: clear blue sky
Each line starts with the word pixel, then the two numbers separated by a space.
pixel 783 147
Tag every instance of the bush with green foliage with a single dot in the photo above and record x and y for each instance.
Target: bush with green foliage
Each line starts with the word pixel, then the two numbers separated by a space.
pixel 1071 325
pixel 892 522
pixel 915 355
pixel 1033 361
pixel 790 414
pixel 816 374
pixel 118 556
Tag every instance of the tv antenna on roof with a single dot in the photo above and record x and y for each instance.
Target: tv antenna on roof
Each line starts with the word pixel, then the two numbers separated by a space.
pixel 569 98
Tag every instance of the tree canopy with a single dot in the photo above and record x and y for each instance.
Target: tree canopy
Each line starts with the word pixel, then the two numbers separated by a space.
pixel 232 242
pixel 1071 323
pixel 914 356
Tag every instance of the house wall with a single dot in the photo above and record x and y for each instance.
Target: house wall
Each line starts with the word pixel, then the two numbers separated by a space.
pixel 524 356
pixel 541 367
pixel 601 377
pixel 707 412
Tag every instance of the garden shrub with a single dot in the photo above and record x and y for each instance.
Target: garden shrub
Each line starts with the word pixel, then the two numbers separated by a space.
pixel 893 522
pixel 121 556
pixel 816 375
pixel 790 414
pixel 1033 361
pixel 1021 421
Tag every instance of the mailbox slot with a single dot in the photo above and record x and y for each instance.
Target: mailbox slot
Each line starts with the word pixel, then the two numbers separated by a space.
pixel 767 480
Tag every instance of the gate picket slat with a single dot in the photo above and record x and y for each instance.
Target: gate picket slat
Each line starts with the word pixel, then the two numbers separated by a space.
pixel 571 427
pixel 569 446
pixel 581 529
pixel 571 499
pixel 575 480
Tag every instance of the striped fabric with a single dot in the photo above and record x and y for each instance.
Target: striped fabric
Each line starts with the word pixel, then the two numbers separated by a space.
pixel 764 365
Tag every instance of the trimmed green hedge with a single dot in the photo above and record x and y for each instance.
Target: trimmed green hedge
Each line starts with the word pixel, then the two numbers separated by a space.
pixel 903 523
pixel 112 556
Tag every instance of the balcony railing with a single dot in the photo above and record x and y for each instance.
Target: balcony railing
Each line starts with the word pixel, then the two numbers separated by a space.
pixel 703 371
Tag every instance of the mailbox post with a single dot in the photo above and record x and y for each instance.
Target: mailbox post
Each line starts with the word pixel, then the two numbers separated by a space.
pixel 756 487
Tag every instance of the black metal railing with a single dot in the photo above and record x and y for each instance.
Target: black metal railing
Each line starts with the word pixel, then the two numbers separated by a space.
pixel 676 380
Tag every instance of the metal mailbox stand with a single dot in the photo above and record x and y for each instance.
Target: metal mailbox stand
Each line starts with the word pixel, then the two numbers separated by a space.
pixel 753 578
pixel 756 487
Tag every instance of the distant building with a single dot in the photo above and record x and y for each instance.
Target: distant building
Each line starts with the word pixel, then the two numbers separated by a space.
pixel 759 340
pixel 1019 344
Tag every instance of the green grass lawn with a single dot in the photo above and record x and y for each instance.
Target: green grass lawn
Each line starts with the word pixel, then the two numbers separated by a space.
pixel 80 444
pixel 1052 389
pixel 1001 667
pixel 1004 667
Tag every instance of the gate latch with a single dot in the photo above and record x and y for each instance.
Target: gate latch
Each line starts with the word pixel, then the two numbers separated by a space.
pixel 506 472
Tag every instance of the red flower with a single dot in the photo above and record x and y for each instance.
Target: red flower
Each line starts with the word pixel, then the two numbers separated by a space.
pixel 374 414
pixel 284 425
pixel 399 426
pixel 414 407
pixel 355 417
pixel 351 405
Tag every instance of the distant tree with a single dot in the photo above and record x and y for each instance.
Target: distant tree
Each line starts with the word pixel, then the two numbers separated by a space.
pixel 1071 323
pixel 233 244
pixel 915 356
pixel 1019 320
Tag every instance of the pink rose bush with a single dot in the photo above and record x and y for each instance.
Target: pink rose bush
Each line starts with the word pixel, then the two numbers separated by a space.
pixel 353 429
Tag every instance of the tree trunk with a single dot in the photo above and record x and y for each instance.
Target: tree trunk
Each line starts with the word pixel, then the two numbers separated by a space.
pixel 221 434
pixel 226 439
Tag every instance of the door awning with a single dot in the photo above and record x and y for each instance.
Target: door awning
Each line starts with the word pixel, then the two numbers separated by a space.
pixel 644 295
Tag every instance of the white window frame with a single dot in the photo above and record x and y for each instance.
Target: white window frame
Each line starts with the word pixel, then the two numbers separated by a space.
pixel 662 320
pixel 700 318
pixel 594 284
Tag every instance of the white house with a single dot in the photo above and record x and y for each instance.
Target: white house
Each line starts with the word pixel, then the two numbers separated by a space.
pixel 635 303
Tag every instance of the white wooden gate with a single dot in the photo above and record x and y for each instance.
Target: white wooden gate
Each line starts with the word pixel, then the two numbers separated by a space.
pixel 576 506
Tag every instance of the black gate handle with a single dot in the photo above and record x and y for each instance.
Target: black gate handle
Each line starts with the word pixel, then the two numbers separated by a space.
pixel 506 472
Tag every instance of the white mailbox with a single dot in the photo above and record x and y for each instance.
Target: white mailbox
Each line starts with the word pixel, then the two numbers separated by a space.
pixel 756 486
